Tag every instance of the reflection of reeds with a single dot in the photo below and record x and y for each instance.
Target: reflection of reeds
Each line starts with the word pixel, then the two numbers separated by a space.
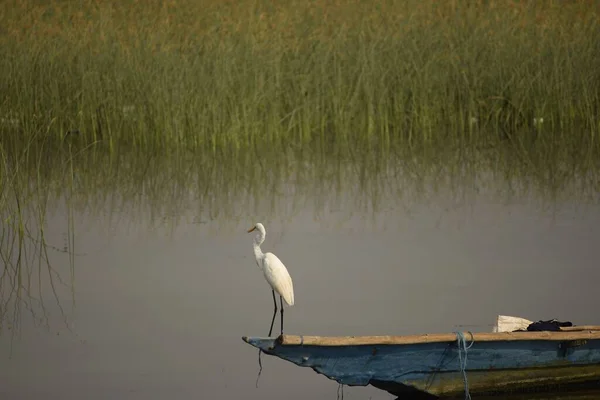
pixel 27 275
pixel 165 187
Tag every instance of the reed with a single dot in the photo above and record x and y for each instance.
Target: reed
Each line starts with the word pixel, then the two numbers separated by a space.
pixel 222 78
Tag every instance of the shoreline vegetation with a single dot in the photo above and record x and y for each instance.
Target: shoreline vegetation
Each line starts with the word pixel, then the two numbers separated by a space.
pixel 258 90
pixel 224 77
pixel 230 97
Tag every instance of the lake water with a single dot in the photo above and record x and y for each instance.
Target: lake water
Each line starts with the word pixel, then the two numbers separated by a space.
pixel 155 303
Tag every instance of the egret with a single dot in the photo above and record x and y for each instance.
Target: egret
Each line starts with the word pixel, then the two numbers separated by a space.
pixel 275 273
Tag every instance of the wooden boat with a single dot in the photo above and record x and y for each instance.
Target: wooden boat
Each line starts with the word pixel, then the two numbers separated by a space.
pixel 449 365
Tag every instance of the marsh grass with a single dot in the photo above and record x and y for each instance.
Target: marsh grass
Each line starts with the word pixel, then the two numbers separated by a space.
pixel 224 78
pixel 258 87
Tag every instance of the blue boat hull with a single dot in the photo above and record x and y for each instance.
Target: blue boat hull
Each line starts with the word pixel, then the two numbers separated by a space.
pixel 490 367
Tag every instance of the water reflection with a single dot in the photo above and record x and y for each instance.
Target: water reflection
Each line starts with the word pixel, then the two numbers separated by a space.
pixel 29 281
pixel 142 272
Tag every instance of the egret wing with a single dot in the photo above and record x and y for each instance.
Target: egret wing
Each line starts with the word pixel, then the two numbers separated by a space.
pixel 279 278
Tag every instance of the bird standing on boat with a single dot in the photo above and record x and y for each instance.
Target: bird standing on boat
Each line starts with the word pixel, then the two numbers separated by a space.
pixel 275 273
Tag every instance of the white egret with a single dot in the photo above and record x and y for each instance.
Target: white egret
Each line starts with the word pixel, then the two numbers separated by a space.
pixel 275 273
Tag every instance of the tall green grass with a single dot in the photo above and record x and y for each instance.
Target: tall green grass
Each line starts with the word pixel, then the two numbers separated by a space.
pixel 328 76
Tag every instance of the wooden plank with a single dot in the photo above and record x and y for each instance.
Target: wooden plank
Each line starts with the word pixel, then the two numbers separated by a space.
pixel 581 328
pixel 295 340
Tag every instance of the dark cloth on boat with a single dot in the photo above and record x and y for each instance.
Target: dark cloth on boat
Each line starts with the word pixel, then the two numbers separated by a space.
pixel 549 325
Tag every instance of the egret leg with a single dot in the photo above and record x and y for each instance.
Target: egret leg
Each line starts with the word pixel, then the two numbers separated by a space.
pixel 270 331
pixel 281 302
pixel 274 313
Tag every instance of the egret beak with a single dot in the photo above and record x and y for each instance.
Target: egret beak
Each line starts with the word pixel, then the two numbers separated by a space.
pixel 250 230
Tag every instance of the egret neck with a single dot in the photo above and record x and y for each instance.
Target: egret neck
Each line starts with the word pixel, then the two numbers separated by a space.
pixel 258 254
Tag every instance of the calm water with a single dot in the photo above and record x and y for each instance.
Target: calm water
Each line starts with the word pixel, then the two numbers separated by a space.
pixel 156 308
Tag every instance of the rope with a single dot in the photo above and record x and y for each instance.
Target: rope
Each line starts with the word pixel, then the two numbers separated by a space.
pixel 340 390
pixel 462 346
